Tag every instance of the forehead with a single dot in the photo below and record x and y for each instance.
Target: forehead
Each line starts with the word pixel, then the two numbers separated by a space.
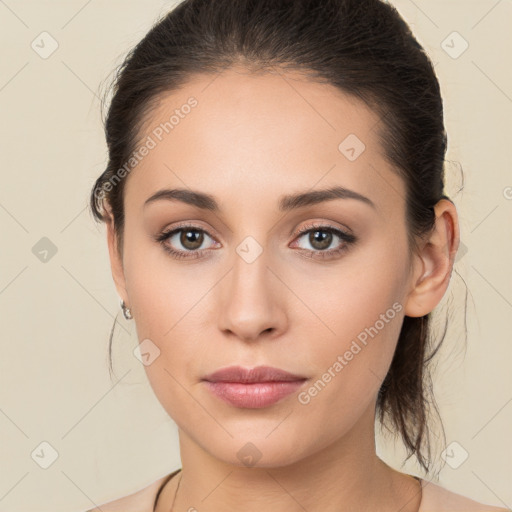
pixel 241 133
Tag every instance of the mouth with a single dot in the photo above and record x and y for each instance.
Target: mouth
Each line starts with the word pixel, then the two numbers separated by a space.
pixel 251 375
pixel 253 388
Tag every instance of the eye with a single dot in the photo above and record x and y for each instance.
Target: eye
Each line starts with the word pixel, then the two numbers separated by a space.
pixel 185 241
pixel 189 237
pixel 321 237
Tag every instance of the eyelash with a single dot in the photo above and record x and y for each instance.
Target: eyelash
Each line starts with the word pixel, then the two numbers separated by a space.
pixel 347 238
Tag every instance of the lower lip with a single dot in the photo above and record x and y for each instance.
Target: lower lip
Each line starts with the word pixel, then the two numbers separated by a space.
pixel 254 395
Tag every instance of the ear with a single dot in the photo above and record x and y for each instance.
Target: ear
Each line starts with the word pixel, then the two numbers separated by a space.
pixel 116 262
pixel 434 264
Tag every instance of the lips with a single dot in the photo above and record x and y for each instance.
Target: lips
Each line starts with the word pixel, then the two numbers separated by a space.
pixel 247 376
pixel 255 395
pixel 254 388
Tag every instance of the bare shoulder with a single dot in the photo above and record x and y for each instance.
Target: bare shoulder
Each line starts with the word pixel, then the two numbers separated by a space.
pixel 438 499
pixel 140 501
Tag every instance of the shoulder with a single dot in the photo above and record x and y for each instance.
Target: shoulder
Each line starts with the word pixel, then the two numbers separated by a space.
pixel 139 501
pixel 438 499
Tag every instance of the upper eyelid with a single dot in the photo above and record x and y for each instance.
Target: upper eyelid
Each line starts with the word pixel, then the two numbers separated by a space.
pixel 316 225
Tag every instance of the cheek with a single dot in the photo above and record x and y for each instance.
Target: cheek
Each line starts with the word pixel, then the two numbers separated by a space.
pixel 161 290
pixel 168 310
pixel 361 308
pixel 166 303
pixel 352 295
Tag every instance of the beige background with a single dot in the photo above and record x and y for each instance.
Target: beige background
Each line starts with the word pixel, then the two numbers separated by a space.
pixel 113 438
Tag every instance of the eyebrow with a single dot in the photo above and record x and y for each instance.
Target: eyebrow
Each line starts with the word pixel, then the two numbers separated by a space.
pixel 286 203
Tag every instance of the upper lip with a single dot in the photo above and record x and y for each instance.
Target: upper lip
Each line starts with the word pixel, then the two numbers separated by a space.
pixel 257 374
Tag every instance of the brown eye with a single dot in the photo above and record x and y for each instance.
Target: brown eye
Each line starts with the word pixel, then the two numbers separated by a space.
pixel 324 241
pixel 185 241
pixel 191 239
pixel 320 240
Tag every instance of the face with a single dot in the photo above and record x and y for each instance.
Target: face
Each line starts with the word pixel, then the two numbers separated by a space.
pixel 244 286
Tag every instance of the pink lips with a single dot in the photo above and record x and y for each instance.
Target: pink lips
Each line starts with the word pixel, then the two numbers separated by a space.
pixel 252 388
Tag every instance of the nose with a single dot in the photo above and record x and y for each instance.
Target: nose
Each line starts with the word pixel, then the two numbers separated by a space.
pixel 251 301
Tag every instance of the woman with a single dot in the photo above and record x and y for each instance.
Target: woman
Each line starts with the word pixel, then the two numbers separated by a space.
pixel 278 230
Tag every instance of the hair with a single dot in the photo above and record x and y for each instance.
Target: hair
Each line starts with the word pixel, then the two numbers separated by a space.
pixel 362 47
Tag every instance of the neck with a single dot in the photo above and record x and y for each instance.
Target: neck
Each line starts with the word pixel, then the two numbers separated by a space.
pixel 343 475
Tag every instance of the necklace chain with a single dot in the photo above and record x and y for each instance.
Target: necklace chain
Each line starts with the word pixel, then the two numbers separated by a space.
pixel 176 492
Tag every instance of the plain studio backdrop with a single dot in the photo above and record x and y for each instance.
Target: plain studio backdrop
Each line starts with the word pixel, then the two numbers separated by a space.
pixel 70 437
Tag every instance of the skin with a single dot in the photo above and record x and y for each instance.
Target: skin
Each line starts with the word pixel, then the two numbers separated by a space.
pixel 250 140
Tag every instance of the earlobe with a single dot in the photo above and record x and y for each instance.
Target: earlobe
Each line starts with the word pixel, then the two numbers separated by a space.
pixel 434 262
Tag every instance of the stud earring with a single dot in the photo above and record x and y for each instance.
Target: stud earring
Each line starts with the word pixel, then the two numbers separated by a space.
pixel 126 311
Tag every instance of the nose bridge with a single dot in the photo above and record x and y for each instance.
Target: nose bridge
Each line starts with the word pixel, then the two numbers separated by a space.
pixel 251 302
pixel 250 276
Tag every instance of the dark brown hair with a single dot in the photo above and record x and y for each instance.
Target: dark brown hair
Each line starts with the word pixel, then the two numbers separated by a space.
pixel 362 47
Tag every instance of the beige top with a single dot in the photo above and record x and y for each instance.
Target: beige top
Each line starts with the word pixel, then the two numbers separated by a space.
pixel 438 499
pixel 434 499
